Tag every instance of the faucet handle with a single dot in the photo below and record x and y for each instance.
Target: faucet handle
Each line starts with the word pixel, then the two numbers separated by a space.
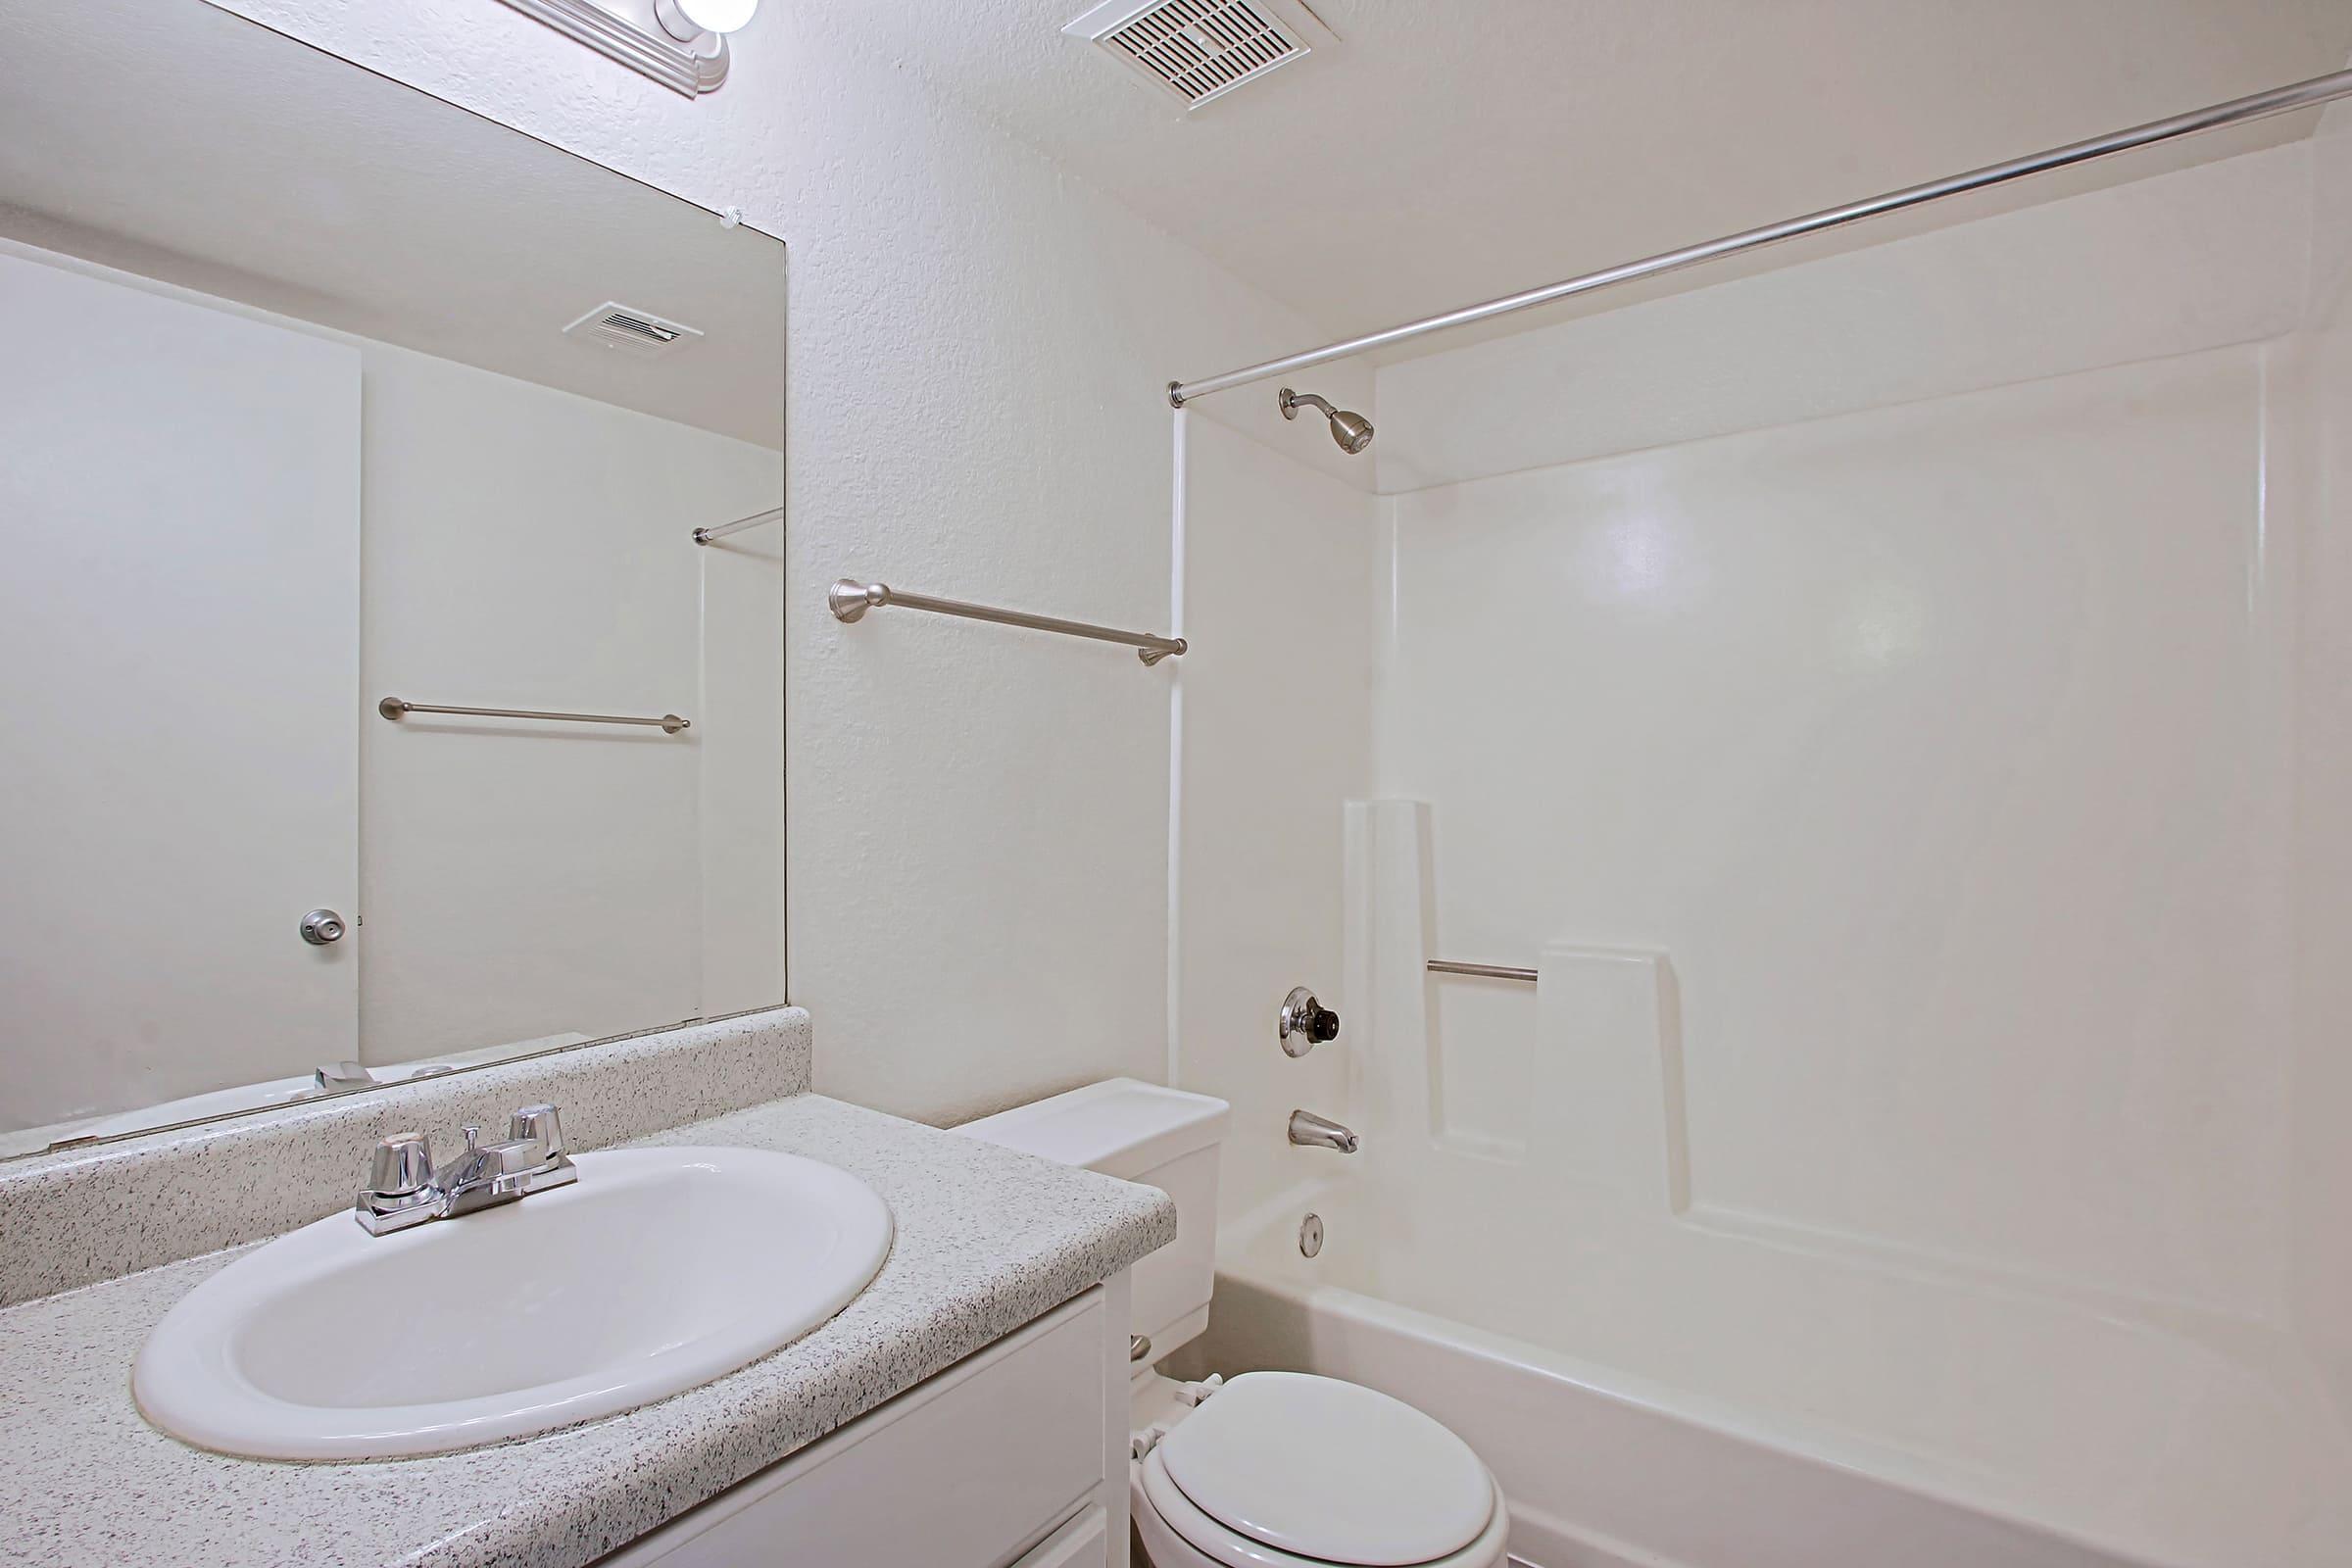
pixel 402 1166
pixel 402 1190
pixel 542 1125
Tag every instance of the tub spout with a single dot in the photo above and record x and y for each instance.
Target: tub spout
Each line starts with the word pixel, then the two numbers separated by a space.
pixel 1317 1132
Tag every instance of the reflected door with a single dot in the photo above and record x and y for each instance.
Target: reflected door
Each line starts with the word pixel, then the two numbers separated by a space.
pixel 179 493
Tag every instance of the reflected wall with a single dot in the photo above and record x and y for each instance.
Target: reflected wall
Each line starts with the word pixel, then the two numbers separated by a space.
pixel 331 396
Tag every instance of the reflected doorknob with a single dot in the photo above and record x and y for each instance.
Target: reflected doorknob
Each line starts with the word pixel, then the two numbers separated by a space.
pixel 322 926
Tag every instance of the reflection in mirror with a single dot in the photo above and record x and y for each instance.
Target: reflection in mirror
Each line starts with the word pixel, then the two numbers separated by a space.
pixel 321 392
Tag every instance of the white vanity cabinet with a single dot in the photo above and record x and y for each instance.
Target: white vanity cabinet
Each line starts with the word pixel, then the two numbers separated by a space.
pixel 1014 1457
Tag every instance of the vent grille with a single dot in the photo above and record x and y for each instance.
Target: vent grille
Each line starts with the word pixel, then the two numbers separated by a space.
pixel 1198 50
pixel 628 331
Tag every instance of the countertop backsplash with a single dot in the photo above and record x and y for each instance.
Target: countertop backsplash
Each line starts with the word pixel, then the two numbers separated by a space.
pixel 80 1215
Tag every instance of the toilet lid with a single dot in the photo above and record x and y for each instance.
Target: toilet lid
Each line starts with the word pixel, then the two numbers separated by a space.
pixel 1330 1470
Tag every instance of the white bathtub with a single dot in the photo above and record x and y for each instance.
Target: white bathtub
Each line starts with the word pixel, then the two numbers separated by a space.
pixel 1681 1397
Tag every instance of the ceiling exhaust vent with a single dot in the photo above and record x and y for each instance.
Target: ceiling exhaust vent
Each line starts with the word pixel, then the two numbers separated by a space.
pixel 1197 50
pixel 617 326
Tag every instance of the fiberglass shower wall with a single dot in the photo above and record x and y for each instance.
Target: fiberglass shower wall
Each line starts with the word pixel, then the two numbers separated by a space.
pixel 2318 411
pixel 1924 666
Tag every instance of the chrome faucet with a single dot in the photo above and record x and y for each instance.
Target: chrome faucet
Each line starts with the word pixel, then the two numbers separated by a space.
pixel 406 1187
pixel 1318 1132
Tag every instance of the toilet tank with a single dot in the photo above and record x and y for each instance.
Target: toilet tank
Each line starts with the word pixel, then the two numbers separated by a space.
pixel 1139 1132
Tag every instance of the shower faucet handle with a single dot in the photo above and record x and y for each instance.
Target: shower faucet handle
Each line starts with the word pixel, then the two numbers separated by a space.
pixel 1304 1023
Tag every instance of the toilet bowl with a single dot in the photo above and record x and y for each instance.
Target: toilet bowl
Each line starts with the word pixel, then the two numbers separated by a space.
pixel 1285 1470
pixel 1271 1469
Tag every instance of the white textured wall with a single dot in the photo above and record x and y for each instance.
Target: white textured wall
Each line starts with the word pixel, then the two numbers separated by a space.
pixel 978 835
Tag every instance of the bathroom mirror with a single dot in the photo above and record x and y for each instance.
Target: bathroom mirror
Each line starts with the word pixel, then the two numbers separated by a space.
pixel 323 397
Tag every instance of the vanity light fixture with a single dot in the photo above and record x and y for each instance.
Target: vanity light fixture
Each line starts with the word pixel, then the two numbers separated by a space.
pixel 686 51
pixel 688 19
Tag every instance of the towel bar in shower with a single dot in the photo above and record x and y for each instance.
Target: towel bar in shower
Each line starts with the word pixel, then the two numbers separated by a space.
pixel 850 600
pixel 1488 971
pixel 668 723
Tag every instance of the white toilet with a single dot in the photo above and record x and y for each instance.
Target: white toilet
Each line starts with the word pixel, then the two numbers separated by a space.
pixel 1272 1469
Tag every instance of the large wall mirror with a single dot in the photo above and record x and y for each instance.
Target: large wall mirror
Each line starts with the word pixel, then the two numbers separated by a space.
pixel 320 396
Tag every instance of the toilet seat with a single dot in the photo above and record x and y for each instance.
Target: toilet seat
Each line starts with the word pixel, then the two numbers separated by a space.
pixel 1166 1505
pixel 1282 1468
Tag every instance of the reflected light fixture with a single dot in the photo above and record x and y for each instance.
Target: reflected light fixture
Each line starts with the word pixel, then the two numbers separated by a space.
pixel 685 51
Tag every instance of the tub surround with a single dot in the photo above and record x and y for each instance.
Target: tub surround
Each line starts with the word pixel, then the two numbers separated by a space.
pixel 80 1215
pixel 987 1239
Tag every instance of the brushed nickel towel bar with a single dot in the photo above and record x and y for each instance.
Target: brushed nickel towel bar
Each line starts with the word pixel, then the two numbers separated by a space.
pixel 1488 971
pixel 668 723
pixel 2237 111
pixel 850 600
pixel 702 536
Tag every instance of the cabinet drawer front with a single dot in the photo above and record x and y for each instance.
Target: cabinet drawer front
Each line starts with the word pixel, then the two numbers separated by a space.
pixel 958 1472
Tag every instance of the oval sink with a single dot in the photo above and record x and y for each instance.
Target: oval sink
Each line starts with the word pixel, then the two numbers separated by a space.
pixel 659 1270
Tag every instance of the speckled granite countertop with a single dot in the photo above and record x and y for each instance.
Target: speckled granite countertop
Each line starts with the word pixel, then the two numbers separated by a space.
pixel 987 1239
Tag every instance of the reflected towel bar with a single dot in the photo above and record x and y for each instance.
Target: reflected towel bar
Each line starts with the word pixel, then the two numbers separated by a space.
pixel 702 536
pixel 668 723
pixel 1488 971
pixel 850 600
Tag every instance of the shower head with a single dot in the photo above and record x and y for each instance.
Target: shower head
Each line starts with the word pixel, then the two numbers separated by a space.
pixel 1352 431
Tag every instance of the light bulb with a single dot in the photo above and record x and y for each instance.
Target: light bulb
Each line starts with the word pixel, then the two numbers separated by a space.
pixel 717 16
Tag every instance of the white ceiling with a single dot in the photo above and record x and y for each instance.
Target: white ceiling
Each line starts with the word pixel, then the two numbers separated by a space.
pixel 1443 153
pixel 181 143
pixel 1449 151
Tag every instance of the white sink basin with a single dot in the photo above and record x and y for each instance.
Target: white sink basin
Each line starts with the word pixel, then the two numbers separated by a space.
pixel 660 1270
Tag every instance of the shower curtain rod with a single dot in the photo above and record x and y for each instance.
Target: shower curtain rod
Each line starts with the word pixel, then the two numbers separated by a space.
pixel 2236 111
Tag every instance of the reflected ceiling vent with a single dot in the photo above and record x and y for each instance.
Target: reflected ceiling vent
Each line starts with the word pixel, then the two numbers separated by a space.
pixel 641 333
pixel 1197 50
